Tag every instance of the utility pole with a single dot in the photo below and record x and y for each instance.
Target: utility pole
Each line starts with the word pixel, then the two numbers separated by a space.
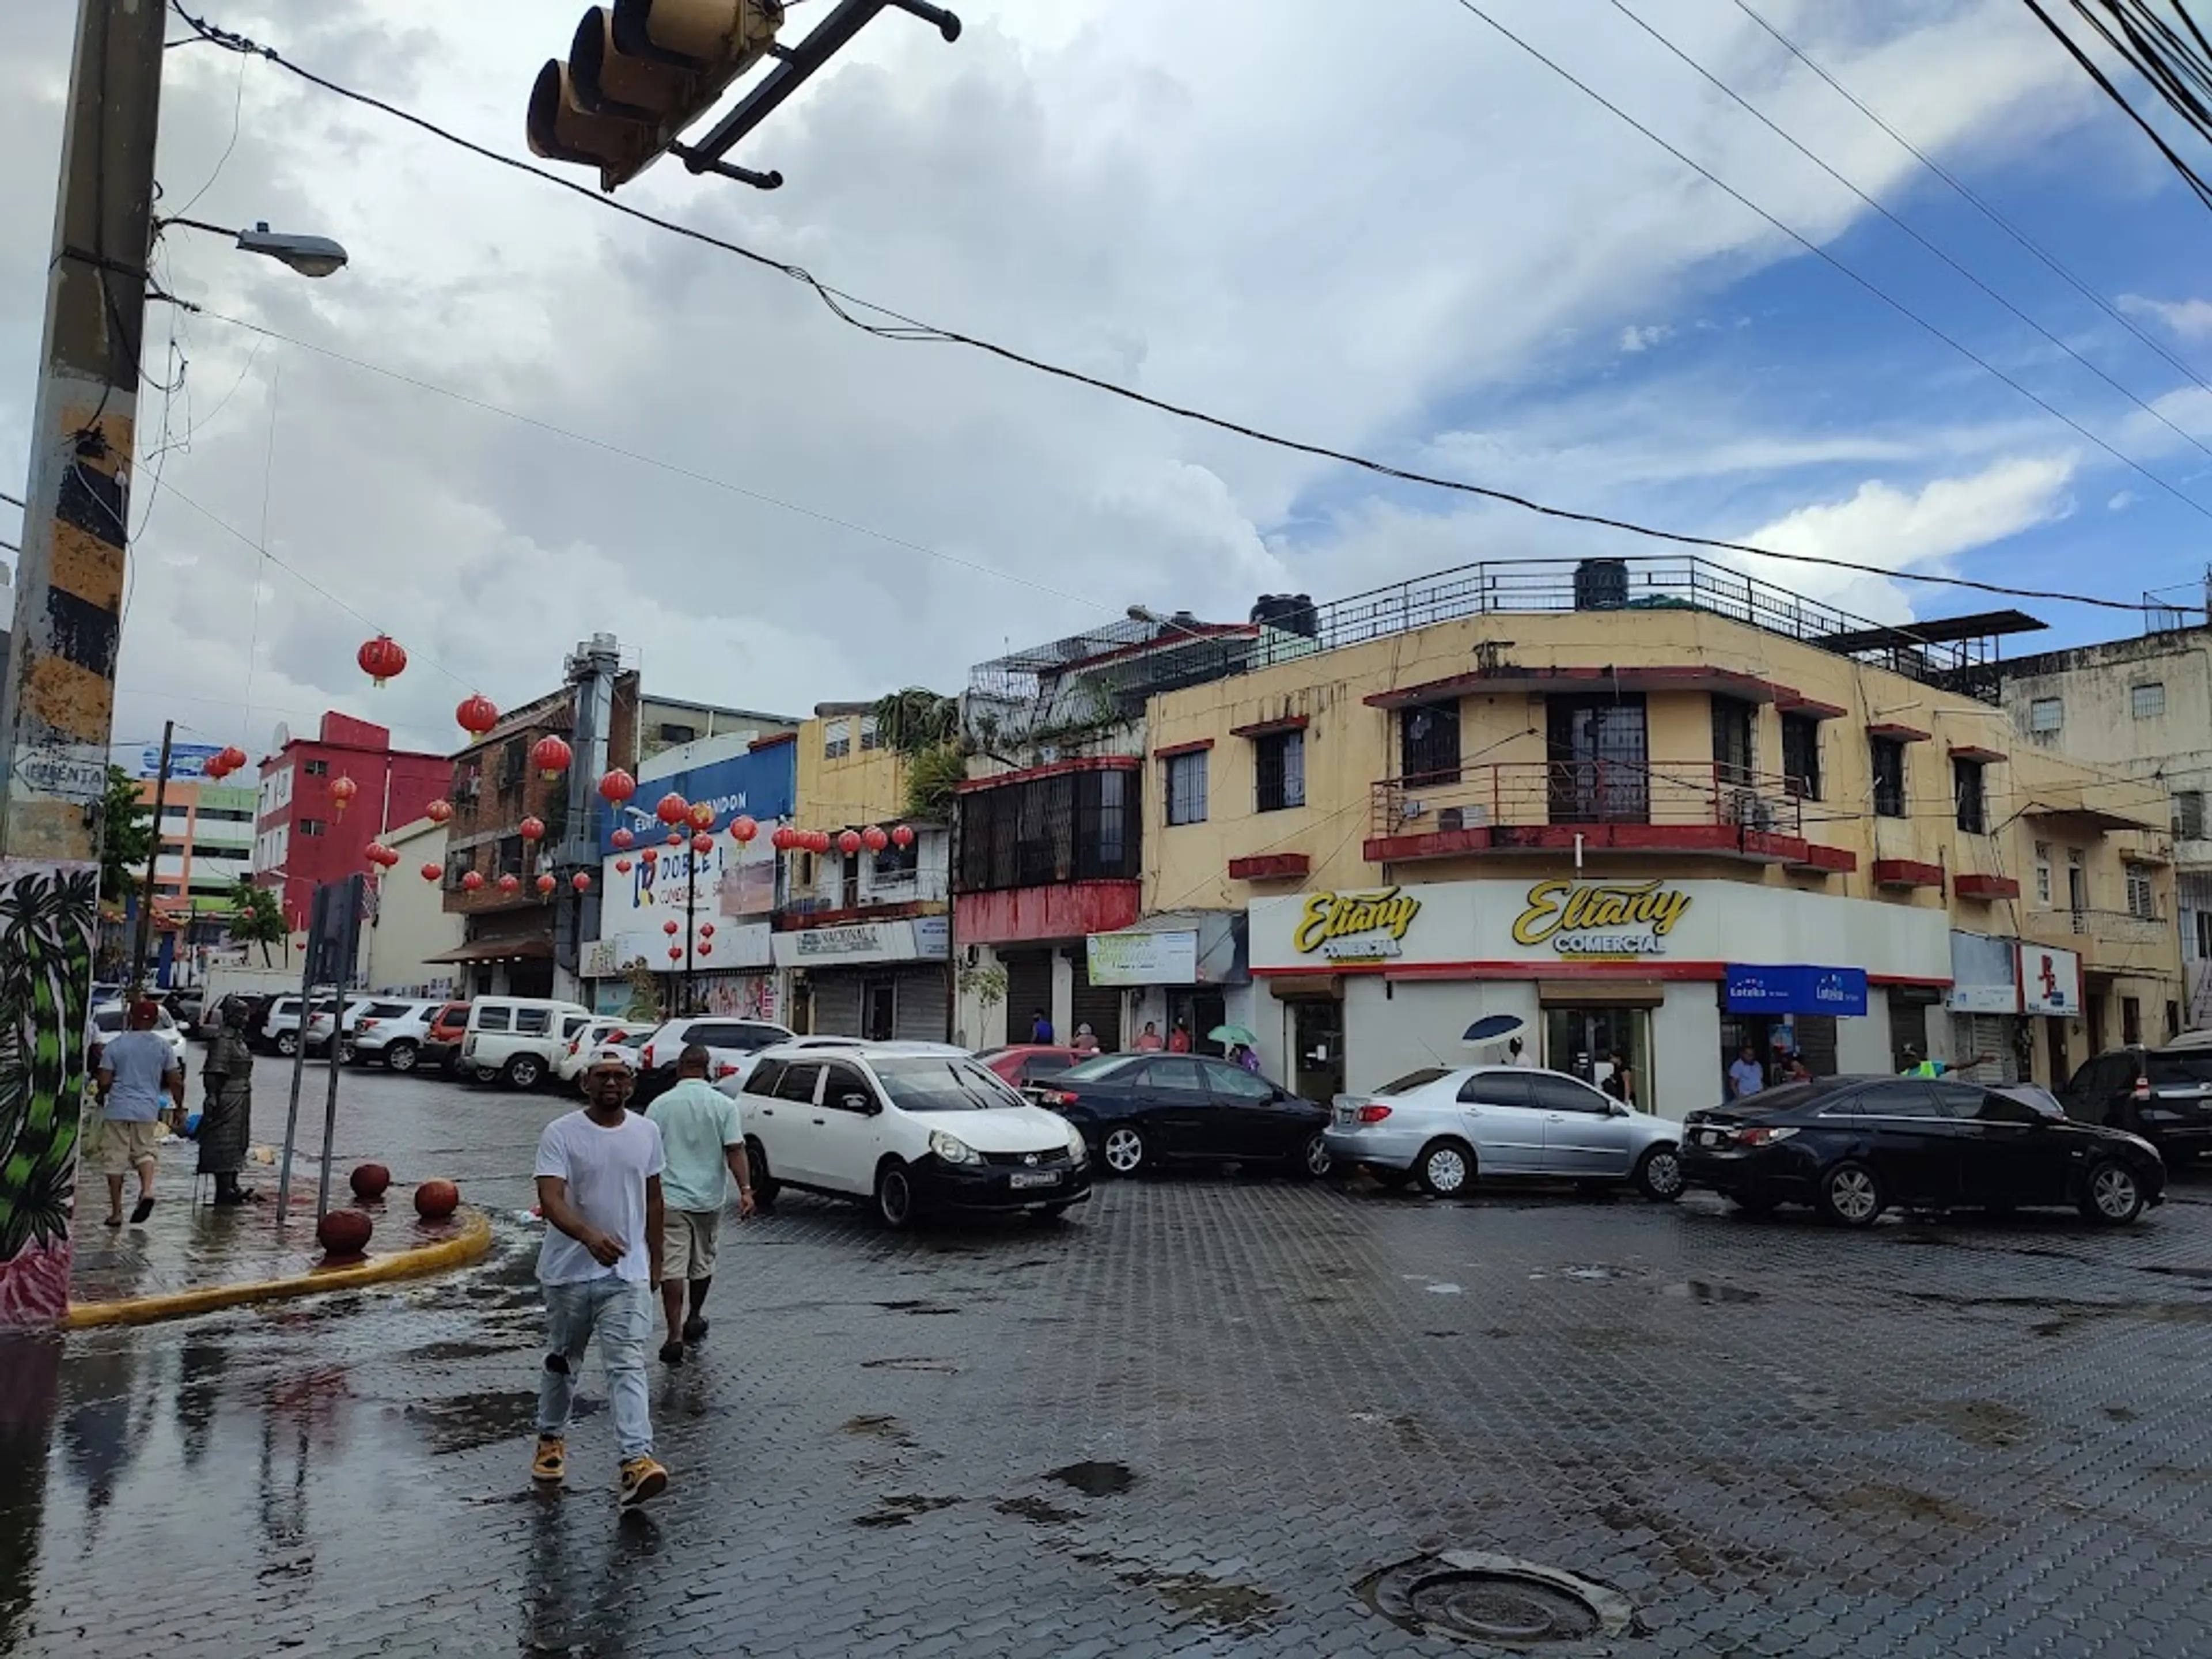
pixel 145 930
pixel 57 712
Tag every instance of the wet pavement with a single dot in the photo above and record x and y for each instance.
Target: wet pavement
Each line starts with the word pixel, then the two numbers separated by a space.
pixel 1203 1415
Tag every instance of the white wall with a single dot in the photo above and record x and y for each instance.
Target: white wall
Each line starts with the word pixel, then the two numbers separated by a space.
pixel 1862 1045
pixel 412 923
pixel 1685 1049
pixel 1393 1027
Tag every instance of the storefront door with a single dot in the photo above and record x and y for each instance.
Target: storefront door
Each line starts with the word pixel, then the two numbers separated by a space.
pixel 1200 1010
pixel 1318 1049
pixel 1582 1042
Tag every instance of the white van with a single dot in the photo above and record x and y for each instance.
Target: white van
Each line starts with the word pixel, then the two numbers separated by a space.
pixel 517 1039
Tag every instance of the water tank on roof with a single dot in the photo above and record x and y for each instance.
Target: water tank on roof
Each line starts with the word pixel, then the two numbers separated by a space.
pixel 1293 613
pixel 1601 585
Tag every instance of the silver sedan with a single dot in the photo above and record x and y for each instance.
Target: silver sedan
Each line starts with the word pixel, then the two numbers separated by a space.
pixel 1444 1126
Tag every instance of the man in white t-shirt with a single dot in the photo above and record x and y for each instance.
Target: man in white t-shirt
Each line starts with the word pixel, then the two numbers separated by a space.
pixel 598 1187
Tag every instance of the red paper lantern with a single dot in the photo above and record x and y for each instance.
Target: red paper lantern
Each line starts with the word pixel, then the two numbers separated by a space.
pixel 623 840
pixel 377 853
pixel 582 881
pixel 439 811
pixel 675 838
pixel 670 927
pixel 343 1233
pixel 617 786
pixel 381 659
pixel 903 837
pixel 550 755
pixel 432 872
pixel 622 866
pixel 702 814
pixel 673 809
pixel 436 1200
pixel 705 949
pixel 510 884
pixel 368 1182
pixel 849 842
pixel 743 829
pixel 212 768
pixel 702 843
pixel 477 714
pixel 545 885
pixel 676 953
pixel 779 838
pixel 531 828
pixel 874 839
pixel 706 930
pixel 342 789
pixel 231 758
pixel 650 855
pixel 472 881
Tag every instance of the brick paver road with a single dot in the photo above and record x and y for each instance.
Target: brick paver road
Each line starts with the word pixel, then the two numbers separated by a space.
pixel 1773 1438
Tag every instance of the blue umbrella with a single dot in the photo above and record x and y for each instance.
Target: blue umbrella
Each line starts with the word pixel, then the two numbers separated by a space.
pixel 1493 1028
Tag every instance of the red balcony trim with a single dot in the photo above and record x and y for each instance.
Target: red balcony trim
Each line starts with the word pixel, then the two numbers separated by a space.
pixel 1892 729
pixel 1196 746
pixel 1975 751
pixel 1830 860
pixel 1665 678
pixel 1270 728
pixel 800 921
pixel 1723 840
pixel 1076 764
pixel 1907 872
pixel 1797 704
pixel 1269 866
pixel 1986 887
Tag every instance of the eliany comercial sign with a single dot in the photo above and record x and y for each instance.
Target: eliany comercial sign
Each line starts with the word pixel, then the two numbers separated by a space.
pixel 1369 926
pixel 1601 921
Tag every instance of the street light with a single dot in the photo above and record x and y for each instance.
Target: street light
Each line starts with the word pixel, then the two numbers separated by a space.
pixel 311 256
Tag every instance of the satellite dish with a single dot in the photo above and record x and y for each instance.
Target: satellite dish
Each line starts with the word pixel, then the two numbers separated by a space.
pixel 283 738
pixel 1493 1028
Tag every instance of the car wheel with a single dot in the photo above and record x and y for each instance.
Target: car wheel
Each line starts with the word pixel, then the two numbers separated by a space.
pixel 1311 1162
pixel 345 1053
pixel 765 1186
pixel 1124 1150
pixel 288 1043
pixel 1659 1175
pixel 524 1072
pixel 1446 1168
pixel 894 1196
pixel 400 1057
pixel 2111 1195
pixel 1850 1194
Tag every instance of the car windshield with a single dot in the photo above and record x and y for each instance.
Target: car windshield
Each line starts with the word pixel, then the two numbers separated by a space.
pixel 109 1019
pixel 1412 1081
pixel 2172 1068
pixel 1091 1071
pixel 943 1084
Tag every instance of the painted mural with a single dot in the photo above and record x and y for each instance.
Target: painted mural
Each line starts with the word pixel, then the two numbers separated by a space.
pixel 48 914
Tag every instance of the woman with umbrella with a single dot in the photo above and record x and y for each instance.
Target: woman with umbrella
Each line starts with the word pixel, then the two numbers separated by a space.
pixel 1237 1044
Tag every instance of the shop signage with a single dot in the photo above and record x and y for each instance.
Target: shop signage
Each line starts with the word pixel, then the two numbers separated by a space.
pixel 1368 926
pixel 1983 974
pixel 1601 920
pixel 926 939
pixel 1162 959
pixel 2049 981
pixel 1795 988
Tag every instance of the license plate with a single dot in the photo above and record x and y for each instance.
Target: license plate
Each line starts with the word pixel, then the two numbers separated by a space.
pixel 1033 1178
pixel 1346 1116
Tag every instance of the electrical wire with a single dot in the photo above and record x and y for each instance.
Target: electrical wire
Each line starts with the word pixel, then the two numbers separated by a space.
pixel 2167 77
pixel 899 326
pixel 237 111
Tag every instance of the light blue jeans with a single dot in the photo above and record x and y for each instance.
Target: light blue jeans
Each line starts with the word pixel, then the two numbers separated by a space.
pixel 620 1314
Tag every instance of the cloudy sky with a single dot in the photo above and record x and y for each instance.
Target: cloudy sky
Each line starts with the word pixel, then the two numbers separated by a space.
pixel 1407 238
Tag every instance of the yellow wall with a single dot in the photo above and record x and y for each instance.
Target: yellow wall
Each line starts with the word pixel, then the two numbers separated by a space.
pixel 862 786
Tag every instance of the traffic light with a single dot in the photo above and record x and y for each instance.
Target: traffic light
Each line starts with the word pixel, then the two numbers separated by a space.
pixel 638 73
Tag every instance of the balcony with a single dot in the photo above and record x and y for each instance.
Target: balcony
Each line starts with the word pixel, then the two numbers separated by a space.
pixel 880 898
pixel 1699 810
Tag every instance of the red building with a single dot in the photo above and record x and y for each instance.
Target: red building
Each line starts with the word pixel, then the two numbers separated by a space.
pixel 306 831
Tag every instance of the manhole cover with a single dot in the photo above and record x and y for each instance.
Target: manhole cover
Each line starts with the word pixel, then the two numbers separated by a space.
pixel 1494 1599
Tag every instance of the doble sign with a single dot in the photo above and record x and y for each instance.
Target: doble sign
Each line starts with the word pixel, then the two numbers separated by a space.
pixel 1601 919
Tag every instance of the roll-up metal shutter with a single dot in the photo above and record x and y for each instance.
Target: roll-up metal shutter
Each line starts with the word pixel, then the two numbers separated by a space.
pixel 1973 1035
pixel 1816 1043
pixel 923 1012
pixel 1028 987
pixel 837 1003
pixel 1098 1006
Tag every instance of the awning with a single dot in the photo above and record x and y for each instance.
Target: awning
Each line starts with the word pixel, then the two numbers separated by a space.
pixel 499 950
pixel 1601 993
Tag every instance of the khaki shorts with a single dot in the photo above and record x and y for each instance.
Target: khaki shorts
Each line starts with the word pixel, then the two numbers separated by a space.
pixel 687 1243
pixel 124 1147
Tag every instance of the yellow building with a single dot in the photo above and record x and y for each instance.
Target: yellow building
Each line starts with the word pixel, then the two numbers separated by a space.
pixel 1654 808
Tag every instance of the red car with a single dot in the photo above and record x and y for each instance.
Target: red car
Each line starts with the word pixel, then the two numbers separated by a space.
pixel 441 1046
pixel 1025 1064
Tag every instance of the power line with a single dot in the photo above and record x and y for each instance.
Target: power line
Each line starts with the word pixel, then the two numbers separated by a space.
pixel 843 305
pixel 1622 7
pixel 1830 260
pixel 2195 179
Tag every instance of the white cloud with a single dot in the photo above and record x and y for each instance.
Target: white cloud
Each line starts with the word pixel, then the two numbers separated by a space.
pixel 2192 319
pixel 2121 501
pixel 1634 338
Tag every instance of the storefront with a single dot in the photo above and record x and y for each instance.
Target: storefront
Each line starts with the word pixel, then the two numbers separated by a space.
pixel 1187 967
pixel 1669 977
pixel 1983 1007
pixel 885 980
pixel 2051 996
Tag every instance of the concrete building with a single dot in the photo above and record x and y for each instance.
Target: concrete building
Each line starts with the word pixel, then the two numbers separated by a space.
pixel 409 941
pixel 2144 706
pixel 1649 807
pixel 304 833
pixel 207 844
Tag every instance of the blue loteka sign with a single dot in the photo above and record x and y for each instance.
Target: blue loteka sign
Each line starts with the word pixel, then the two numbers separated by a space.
pixel 1795 988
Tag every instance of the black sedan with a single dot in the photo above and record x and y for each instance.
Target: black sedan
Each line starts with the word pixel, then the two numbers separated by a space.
pixel 1852 1146
pixel 1139 1111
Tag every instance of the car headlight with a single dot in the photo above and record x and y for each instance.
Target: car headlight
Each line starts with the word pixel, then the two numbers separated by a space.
pixel 951 1148
pixel 1077 1149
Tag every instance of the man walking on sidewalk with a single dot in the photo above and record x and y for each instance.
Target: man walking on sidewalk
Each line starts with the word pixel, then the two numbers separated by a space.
pixel 703 1139
pixel 599 1186
pixel 135 1071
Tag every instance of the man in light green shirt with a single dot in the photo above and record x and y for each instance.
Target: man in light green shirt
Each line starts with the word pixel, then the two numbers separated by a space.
pixel 702 1139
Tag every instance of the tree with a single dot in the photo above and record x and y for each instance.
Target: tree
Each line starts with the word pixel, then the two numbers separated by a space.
pixel 257 918
pixel 126 837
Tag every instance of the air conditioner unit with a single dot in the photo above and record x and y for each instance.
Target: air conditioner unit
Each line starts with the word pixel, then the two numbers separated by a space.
pixel 1412 809
pixel 1751 811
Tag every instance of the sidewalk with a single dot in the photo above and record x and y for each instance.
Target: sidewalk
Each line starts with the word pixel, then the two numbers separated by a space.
pixel 191 1256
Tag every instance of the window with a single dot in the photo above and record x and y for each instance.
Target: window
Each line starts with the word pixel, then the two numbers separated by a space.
pixel 797 1082
pixel 879 1009
pixel 837 740
pixel 671 732
pixel 492 1016
pixel 841 1081
pixel 533 1022
pixel 1801 755
pixel 2043 872
pixel 764 1077
pixel 1112 818
pixel 1428 743
pixel 1412 1081
pixel 1902 1098
pixel 1599 757
pixel 2189 814
pixel 2130 1021
pixel 2147 701
pixel 1280 761
pixel 1495 1089
pixel 1181 1075
pixel 1235 1083
pixel 2142 899
pixel 895 865
pixel 1968 794
pixel 1067 826
pixel 1887 755
pixel 510 855
pixel 2077 882
pixel 1732 764
pixel 870 737
pixel 1186 787
pixel 313 827
pixel 316 769
pixel 2204 936
pixel 2046 714
pixel 1560 1094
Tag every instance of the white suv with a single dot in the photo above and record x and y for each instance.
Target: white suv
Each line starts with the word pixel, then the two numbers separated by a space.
pixel 517 1039
pixel 731 1042
pixel 910 1125
pixel 280 1026
pixel 583 1046
pixel 391 1030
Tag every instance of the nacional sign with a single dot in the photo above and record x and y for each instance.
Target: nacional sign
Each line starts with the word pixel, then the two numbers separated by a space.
pixel 1368 926
pixel 1601 921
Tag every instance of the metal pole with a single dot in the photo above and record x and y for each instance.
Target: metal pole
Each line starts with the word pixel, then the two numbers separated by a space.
pixel 138 946
pixel 691 933
pixel 299 1074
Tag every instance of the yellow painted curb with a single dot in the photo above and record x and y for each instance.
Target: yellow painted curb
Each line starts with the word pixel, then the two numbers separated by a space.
pixel 465 1247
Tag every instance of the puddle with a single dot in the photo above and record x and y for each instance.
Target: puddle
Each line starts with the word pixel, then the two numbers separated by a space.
pixel 1095 1480
pixel 434 1353
pixel 945 1366
pixel 1230 1606
pixel 916 1307
pixel 465 1422
pixel 1707 1294
pixel 877 1427
pixel 1036 1509
pixel 1987 1423
pixel 1891 1503
pixel 1590 1273
pixel 900 1511
pixel 1442 1289
pixel 2121 1414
